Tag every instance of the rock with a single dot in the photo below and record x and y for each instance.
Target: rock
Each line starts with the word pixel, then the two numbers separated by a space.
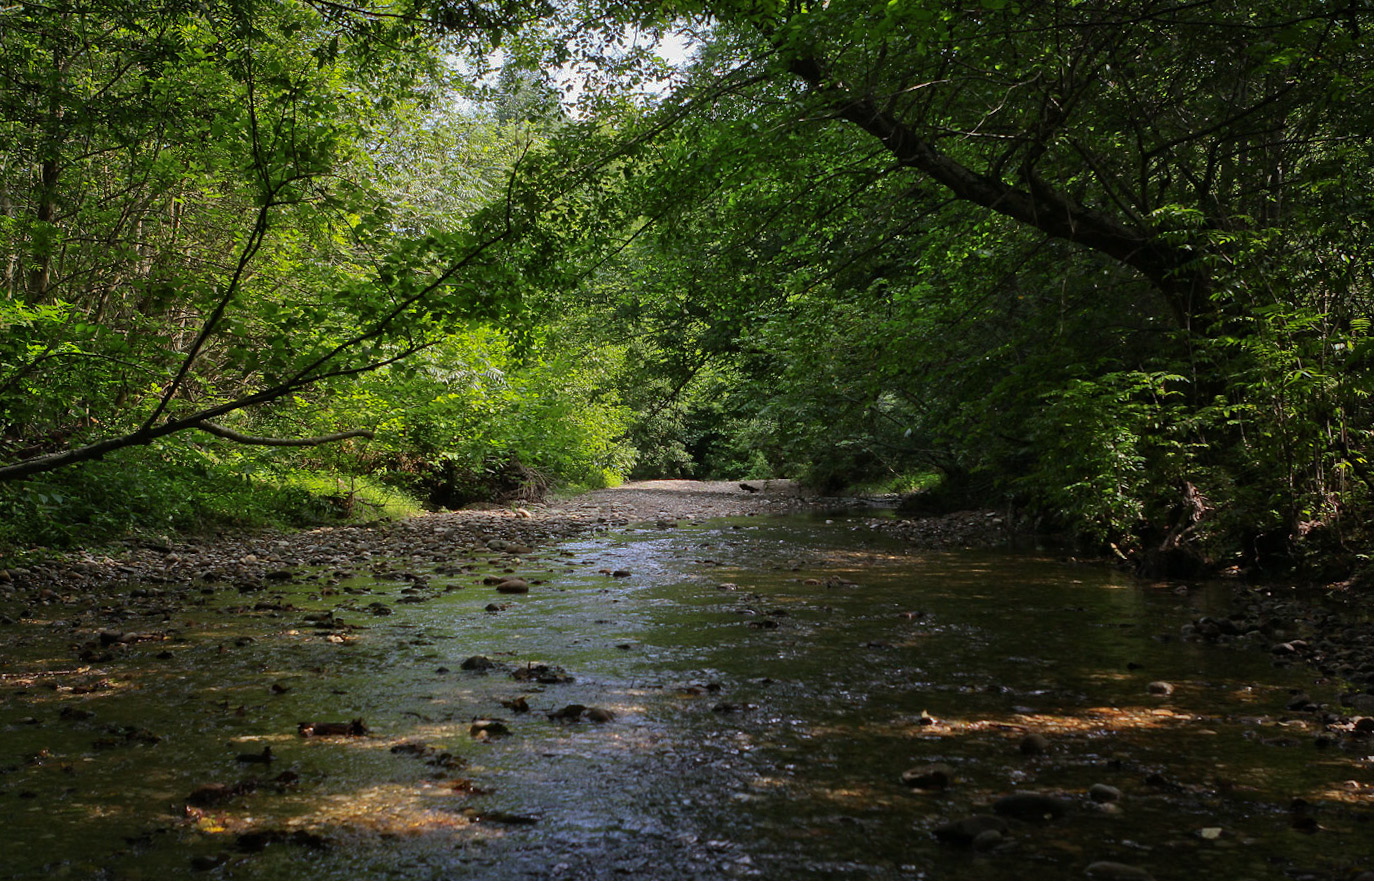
pixel 486 729
pixel 570 713
pixel 987 839
pixel 1034 745
pixel 1105 870
pixel 930 778
pixel 1362 702
pixel 215 794
pixel 965 831
pixel 263 758
pixel 1160 688
pixel 479 663
pixel 1031 807
pixel 256 840
pixel 1302 703
pixel 1102 793
pixel 543 674
pixel 513 585
pixel 600 715
pixel 356 728
pixel 72 714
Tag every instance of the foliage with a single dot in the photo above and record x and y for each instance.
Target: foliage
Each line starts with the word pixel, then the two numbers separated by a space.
pixel 164 490
pixel 1107 262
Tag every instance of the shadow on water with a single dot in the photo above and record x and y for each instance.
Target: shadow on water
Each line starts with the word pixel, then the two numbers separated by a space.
pixel 770 681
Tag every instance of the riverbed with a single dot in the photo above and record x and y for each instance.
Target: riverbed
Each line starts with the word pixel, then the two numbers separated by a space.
pixel 737 697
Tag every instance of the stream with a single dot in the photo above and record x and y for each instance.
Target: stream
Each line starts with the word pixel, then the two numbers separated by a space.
pixel 751 692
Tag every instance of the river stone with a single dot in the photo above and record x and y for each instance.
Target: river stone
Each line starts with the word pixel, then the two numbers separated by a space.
pixel 485 729
pixel 1362 702
pixel 1160 688
pixel 965 831
pixel 513 585
pixel 479 663
pixel 929 777
pixel 1034 745
pixel 1106 870
pixel 1102 793
pixel 1031 807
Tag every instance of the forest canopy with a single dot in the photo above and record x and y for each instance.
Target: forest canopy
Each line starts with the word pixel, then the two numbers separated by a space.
pixel 1105 264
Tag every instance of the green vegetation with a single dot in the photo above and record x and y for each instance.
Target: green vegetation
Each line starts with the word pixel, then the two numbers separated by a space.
pixel 1106 263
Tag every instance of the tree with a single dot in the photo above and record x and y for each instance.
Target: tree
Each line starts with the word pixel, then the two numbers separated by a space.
pixel 189 226
pixel 1163 270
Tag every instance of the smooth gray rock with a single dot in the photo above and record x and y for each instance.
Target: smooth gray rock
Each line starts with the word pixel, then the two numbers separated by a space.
pixel 1106 870
pixel 1102 793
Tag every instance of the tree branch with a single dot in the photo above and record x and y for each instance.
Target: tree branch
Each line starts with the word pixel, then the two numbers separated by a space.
pixel 1171 269
pixel 240 438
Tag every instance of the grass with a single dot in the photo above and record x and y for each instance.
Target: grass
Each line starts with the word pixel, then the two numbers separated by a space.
pixel 164 492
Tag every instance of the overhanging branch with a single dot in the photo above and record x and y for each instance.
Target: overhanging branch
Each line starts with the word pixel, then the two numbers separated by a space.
pixel 1172 270
pixel 240 438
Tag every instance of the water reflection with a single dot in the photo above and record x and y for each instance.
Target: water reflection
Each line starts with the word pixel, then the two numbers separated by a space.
pixel 770 681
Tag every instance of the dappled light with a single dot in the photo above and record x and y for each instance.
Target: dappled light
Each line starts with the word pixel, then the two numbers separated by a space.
pixel 889 696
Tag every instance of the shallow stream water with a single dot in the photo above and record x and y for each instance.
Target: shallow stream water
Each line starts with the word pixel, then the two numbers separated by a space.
pixel 770 680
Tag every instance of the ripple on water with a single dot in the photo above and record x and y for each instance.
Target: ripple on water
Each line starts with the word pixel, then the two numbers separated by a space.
pixel 759 731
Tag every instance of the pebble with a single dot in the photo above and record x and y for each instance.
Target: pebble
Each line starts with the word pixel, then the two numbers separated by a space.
pixel 1034 745
pixel 1160 688
pixel 1105 870
pixel 486 729
pixel 930 778
pixel 1102 793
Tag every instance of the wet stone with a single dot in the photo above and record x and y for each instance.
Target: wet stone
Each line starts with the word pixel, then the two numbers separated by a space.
pixel 487 729
pixel 1031 807
pixel 965 831
pixel 1105 870
pixel 1103 794
pixel 933 777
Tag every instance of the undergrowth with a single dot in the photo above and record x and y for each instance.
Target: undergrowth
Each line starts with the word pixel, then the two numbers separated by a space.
pixel 156 492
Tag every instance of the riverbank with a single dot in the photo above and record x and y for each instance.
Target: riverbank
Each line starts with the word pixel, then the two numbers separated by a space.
pixel 1330 629
pixel 258 558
